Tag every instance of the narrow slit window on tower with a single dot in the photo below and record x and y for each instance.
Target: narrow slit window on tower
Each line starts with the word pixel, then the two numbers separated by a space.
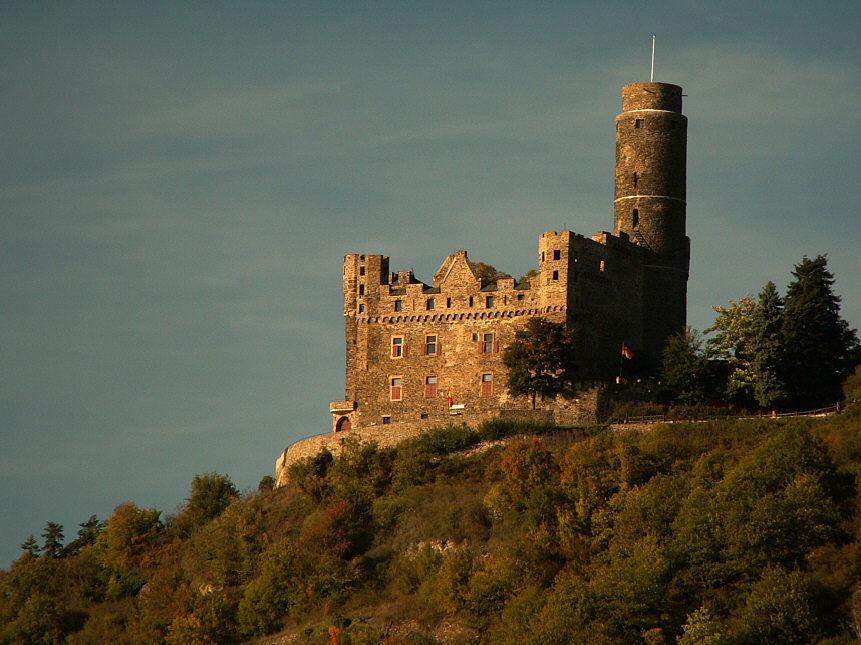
pixel 361 290
pixel 361 270
pixel 635 180
pixel 639 123
pixel 555 275
pixel 635 218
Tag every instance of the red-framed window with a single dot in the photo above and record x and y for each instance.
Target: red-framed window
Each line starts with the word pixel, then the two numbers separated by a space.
pixel 430 387
pixel 487 384
pixel 396 388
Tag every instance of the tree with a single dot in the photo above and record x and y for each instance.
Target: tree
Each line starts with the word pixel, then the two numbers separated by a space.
pixel 819 344
pixel 31 546
pixel 210 494
pixel 767 348
pixel 86 535
pixel 487 273
pixel 53 547
pixel 732 343
pixel 684 366
pixel 541 360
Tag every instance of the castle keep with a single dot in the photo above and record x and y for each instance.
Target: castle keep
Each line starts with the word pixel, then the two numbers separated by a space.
pixel 417 353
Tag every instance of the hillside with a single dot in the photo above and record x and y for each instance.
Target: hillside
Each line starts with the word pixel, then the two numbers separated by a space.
pixel 713 532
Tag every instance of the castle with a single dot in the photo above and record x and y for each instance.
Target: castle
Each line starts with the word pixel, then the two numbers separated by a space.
pixel 419 353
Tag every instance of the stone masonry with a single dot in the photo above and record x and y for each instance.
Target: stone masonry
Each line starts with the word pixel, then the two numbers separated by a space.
pixel 420 354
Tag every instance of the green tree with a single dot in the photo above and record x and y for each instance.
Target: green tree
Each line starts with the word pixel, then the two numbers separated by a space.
pixel 732 342
pixel 702 629
pixel 210 494
pixel 53 547
pixel 820 345
pixel 86 535
pixel 487 273
pixel 767 347
pixel 684 366
pixel 541 360
pixel 31 546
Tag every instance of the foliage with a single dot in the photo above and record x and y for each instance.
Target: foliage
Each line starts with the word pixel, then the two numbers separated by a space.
pixel 684 366
pixel 767 348
pixel 732 342
pixel 541 360
pixel 821 342
pixel 487 273
pixel 210 494
pixel 719 532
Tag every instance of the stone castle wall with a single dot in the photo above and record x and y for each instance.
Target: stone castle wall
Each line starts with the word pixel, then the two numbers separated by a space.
pixel 409 345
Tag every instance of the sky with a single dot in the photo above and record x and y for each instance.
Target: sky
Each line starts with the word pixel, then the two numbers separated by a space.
pixel 179 182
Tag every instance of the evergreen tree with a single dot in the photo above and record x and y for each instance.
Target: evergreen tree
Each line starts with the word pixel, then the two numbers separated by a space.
pixel 86 535
pixel 540 361
pixel 767 347
pixel 819 345
pixel 30 546
pixel 53 535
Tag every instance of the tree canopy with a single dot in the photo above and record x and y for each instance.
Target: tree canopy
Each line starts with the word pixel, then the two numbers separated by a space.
pixel 819 344
pixel 541 360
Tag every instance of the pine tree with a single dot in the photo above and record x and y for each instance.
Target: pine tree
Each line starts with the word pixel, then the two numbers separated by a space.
pixel 767 347
pixel 819 345
pixel 31 546
pixel 53 535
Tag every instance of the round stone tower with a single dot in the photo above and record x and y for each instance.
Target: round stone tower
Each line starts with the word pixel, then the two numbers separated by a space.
pixel 650 200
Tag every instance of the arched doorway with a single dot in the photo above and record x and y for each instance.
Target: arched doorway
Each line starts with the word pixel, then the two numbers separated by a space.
pixel 343 424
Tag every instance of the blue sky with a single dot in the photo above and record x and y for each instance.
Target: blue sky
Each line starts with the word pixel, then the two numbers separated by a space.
pixel 179 182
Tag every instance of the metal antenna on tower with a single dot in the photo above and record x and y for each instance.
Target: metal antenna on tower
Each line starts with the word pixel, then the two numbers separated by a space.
pixel 652 72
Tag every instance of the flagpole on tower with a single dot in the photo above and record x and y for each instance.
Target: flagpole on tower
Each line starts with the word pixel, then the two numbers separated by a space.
pixel 652 72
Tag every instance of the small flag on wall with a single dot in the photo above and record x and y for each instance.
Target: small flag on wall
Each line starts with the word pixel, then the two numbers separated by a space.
pixel 626 352
pixel 450 399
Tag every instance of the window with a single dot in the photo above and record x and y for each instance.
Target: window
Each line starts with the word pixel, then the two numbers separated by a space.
pixel 488 345
pixel 397 346
pixel 488 301
pixel 557 254
pixel 470 301
pixel 601 265
pixel 448 303
pixel 361 308
pixel 430 387
pixel 429 304
pixel 399 305
pixel 361 290
pixel 542 256
pixel 635 180
pixel 486 384
pixel 555 275
pixel 361 270
pixel 635 218
pixel 639 123
pixel 387 420
pixel 396 390
pixel 430 345
pixel 519 297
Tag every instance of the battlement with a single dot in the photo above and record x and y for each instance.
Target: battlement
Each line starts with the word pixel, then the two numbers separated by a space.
pixel 420 354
